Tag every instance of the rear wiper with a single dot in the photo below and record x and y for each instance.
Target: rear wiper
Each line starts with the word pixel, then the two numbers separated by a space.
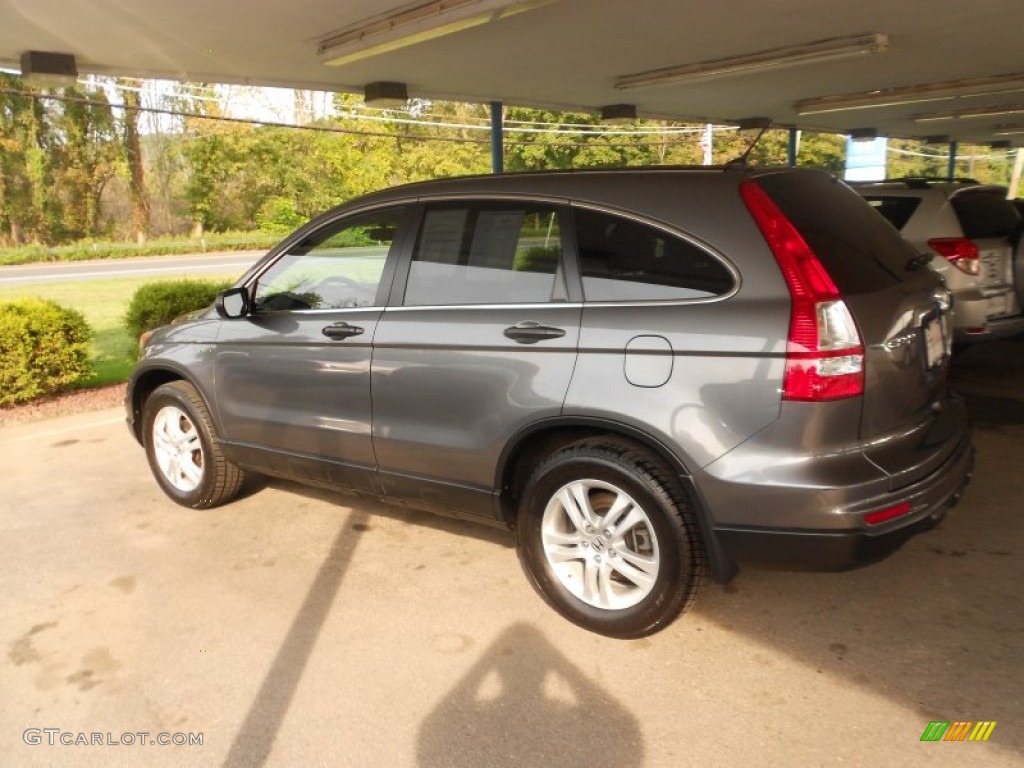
pixel 918 261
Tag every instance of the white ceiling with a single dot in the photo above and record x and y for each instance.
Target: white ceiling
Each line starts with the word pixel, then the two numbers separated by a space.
pixel 565 54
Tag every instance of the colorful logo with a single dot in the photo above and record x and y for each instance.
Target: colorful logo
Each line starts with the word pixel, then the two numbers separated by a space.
pixel 959 730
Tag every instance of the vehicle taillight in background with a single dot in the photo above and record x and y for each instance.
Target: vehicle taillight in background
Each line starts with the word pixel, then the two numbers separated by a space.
pixel 824 351
pixel 960 251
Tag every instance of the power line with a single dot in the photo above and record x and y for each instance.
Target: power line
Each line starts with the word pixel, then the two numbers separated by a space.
pixel 326 128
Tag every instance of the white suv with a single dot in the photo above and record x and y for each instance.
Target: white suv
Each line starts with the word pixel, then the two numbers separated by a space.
pixel 972 230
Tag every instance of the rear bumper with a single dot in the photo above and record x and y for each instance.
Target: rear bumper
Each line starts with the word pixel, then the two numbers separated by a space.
pixel 972 322
pixel 838 550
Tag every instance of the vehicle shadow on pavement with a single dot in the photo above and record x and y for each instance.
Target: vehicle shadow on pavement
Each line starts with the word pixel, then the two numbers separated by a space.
pixel 525 703
pixel 937 626
pixel 378 508
pixel 256 737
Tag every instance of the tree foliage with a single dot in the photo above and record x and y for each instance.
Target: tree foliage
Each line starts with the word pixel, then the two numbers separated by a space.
pixel 79 166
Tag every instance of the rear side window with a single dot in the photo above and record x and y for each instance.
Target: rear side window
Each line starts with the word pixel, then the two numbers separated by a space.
pixel 486 253
pixel 985 213
pixel 860 250
pixel 897 210
pixel 625 260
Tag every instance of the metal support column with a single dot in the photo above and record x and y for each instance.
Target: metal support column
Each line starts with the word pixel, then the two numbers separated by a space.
pixel 791 147
pixel 951 170
pixel 497 139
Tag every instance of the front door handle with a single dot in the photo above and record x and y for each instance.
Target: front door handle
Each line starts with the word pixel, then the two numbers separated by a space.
pixel 341 331
pixel 530 332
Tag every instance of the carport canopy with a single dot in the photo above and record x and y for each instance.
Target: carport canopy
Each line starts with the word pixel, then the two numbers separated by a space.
pixel 948 71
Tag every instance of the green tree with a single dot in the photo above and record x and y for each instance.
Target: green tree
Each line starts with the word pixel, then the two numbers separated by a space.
pixel 133 158
pixel 86 152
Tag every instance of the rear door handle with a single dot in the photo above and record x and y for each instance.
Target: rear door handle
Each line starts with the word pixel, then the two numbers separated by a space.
pixel 341 331
pixel 530 332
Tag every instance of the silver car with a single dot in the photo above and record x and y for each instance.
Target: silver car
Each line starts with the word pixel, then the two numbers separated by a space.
pixel 648 375
pixel 972 231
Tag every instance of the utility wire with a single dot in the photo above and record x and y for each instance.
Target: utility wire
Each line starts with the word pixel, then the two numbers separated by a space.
pixel 324 128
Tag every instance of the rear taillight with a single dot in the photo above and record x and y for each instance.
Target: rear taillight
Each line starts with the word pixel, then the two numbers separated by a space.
pixel 960 251
pixel 824 352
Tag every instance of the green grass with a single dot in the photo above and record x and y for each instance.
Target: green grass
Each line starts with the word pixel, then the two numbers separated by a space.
pixel 103 303
pixel 158 246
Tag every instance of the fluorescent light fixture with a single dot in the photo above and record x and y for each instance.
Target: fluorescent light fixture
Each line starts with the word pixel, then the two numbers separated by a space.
pixel 863 134
pixel 1009 129
pixel 774 58
pixel 384 94
pixel 413 24
pixel 913 94
pixel 617 114
pixel 970 114
pixel 44 69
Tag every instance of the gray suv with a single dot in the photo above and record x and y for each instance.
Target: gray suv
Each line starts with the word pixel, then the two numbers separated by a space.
pixel 648 375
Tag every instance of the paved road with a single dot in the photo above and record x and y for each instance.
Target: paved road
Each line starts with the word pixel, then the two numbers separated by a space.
pixel 70 271
pixel 300 628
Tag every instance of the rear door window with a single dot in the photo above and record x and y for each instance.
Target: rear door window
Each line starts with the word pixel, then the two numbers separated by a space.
pixel 487 253
pixel 626 260
pixel 860 250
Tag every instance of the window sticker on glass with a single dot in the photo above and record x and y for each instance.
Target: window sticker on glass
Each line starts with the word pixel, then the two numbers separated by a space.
pixel 495 239
pixel 441 239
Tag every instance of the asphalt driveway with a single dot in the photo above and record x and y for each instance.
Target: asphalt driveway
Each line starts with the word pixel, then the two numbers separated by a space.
pixel 298 628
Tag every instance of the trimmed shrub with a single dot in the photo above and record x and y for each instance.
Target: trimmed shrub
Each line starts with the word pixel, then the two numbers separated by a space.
pixel 158 303
pixel 44 348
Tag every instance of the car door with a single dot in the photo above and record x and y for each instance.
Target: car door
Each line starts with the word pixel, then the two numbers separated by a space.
pixel 293 375
pixel 478 341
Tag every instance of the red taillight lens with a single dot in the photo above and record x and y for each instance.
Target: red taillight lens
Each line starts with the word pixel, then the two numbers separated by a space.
pixel 959 250
pixel 824 352
pixel 884 515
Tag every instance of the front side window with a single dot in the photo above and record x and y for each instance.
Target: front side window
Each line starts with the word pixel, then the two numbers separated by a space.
pixel 337 267
pixel 486 253
pixel 626 260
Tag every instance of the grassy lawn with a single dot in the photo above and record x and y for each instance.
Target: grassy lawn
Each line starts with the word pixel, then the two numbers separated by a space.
pixel 103 303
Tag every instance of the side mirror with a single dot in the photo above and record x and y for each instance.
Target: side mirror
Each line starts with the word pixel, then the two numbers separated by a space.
pixel 234 302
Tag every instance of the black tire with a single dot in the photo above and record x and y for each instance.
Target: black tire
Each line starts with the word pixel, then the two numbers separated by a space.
pixel 183 454
pixel 586 584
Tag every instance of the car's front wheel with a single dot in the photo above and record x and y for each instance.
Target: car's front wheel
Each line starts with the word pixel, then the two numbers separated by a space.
pixel 183 455
pixel 609 539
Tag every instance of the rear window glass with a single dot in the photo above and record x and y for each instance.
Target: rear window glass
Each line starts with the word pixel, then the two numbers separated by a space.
pixel 860 249
pixel 985 213
pixel 897 210
pixel 626 260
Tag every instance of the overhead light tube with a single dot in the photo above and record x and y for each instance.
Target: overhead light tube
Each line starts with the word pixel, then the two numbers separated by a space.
pixel 912 94
pixel 415 24
pixel 970 114
pixel 771 59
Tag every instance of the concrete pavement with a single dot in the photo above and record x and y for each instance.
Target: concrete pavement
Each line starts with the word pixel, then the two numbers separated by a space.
pixel 295 627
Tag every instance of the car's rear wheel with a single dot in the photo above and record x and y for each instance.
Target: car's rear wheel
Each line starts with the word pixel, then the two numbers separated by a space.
pixel 183 455
pixel 609 539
